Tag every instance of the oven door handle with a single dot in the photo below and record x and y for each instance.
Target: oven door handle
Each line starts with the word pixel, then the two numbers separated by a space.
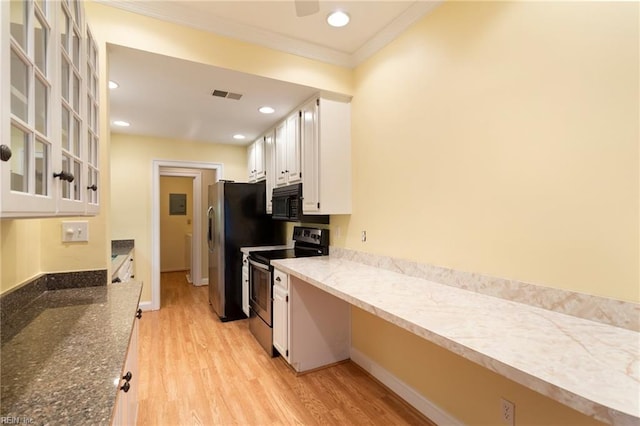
pixel 258 265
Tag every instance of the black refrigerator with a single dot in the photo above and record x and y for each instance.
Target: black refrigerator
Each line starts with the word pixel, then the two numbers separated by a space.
pixel 236 218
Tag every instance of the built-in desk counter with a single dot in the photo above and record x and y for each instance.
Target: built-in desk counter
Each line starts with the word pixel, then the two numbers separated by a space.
pixel 589 366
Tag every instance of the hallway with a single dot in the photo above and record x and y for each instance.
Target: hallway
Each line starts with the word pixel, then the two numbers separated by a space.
pixel 196 370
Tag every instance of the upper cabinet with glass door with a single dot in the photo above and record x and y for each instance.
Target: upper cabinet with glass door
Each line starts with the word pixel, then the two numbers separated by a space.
pixel 48 110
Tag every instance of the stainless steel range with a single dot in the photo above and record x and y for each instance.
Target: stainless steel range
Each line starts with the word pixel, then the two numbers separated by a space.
pixel 308 242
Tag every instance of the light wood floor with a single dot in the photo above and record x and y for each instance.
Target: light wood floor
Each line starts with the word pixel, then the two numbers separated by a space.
pixel 195 370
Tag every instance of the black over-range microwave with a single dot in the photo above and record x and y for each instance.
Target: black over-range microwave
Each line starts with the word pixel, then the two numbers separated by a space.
pixel 286 204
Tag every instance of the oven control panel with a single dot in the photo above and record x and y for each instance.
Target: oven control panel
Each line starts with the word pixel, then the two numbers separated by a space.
pixel 313 236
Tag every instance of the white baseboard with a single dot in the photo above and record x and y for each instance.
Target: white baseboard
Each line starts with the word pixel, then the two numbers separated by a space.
pixel 406 392
pixel 204 281
pixel 145 306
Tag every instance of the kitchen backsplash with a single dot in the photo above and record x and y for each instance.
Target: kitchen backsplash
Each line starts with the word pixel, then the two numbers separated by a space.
pixel 609 311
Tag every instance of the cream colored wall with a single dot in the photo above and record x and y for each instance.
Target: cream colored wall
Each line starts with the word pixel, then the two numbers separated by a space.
pixel 20 252
pixel 131 179
pixel 500 138
pixel 174 228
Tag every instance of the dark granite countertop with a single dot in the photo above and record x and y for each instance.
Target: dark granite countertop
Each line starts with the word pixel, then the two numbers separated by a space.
pixel 61 358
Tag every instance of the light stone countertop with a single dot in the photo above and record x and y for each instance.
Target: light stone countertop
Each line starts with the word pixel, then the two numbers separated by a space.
pixel 589 366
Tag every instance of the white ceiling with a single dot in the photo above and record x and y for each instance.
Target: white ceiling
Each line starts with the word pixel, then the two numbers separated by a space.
pixel 168 97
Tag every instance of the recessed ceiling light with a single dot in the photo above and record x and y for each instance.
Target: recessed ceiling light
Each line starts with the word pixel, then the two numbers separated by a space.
pixel 238 136
pixel 121 123
pixel 113 84
pixel 338 18
pixel 266 110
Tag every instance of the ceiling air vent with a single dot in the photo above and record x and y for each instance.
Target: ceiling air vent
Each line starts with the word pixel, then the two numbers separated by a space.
pixel 225 94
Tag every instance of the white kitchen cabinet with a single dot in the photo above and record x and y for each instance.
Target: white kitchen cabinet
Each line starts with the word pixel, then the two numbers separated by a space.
pixel 126 409
pixel 245 285
pixel 281 313
pixel 288 151
pixel 256 160
pixel 326 156
pixel 311 328
pixel 48 110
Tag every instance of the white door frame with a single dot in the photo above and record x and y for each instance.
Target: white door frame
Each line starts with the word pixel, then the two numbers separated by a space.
pixel 155 214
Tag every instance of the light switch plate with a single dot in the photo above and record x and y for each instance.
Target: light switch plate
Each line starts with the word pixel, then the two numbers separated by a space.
pixel 75 231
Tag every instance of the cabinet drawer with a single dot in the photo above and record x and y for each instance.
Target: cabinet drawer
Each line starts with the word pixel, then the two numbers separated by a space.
pixel 281 279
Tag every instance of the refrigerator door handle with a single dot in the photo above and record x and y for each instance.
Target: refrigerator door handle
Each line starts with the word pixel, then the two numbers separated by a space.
pixel 211 230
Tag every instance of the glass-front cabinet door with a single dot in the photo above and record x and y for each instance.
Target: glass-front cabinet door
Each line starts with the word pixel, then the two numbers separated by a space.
pixel 26 92
pixel 92 142
pixel 48 110
pixel 71 195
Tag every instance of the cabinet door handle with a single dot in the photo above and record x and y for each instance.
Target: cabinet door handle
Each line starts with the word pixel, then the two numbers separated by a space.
pixel 278 279
pixel 139 313
pixel 64 176
pixel 125 387
pixel 5 152
pixel 93 187
pixel 127 376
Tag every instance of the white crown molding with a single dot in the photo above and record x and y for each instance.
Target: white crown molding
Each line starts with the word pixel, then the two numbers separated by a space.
pixel 172 12
pixel 393 30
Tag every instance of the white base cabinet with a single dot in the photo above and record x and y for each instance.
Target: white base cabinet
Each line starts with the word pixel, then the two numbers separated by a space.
pixel 311 328
pixel 126 409
pixel 245 285
pixel 281 313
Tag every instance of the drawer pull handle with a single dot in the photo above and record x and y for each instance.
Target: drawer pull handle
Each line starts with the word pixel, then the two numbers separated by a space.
pixel 278 279
pixel 139 313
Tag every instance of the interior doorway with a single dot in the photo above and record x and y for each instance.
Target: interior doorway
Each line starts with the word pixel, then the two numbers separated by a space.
pixel 188 169
pixel 176 225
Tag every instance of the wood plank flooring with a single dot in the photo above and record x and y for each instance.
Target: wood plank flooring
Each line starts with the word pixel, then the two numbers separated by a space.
pixel 196 370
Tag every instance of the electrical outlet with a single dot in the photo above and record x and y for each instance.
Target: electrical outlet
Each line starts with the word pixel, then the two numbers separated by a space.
pixel 363 237
pixel 508 412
